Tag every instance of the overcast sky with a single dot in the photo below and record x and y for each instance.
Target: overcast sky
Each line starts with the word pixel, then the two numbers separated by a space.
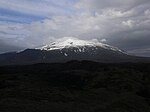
pixel 31 23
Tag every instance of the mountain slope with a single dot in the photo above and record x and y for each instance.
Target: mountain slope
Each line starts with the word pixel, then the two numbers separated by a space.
pixel 70 49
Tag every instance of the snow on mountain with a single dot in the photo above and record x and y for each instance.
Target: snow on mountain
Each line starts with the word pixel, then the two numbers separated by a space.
pixel 76 43
pixel 70 49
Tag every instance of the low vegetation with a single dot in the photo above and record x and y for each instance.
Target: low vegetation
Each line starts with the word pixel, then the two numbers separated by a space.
pixel 76 86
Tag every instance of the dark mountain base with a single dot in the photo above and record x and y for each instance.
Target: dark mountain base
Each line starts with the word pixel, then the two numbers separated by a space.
pixel 76 86
pixel 32 56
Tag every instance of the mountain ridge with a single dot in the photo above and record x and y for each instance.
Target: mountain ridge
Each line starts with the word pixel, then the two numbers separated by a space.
pixel 74 42
pixel 71 49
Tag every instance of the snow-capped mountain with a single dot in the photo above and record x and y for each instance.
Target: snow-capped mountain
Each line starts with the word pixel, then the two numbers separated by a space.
pixel 74 46
pixel 70 49
pixel 76 43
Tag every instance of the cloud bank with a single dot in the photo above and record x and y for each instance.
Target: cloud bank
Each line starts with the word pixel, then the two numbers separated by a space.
pixel 124 24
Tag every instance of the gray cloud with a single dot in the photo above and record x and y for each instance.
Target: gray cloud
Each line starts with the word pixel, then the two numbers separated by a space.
pixel 140 52
pixel 8 48
pixel 125 24
pixel 99 5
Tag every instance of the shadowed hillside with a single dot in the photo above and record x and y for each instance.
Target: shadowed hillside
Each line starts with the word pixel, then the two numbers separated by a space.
pixel 76 86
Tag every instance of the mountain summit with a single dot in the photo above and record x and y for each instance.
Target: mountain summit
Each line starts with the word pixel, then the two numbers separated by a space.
pixel 70 49
pixel 76 43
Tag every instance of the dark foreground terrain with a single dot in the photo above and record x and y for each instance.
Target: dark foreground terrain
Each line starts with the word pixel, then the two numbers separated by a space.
pixel 76 86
